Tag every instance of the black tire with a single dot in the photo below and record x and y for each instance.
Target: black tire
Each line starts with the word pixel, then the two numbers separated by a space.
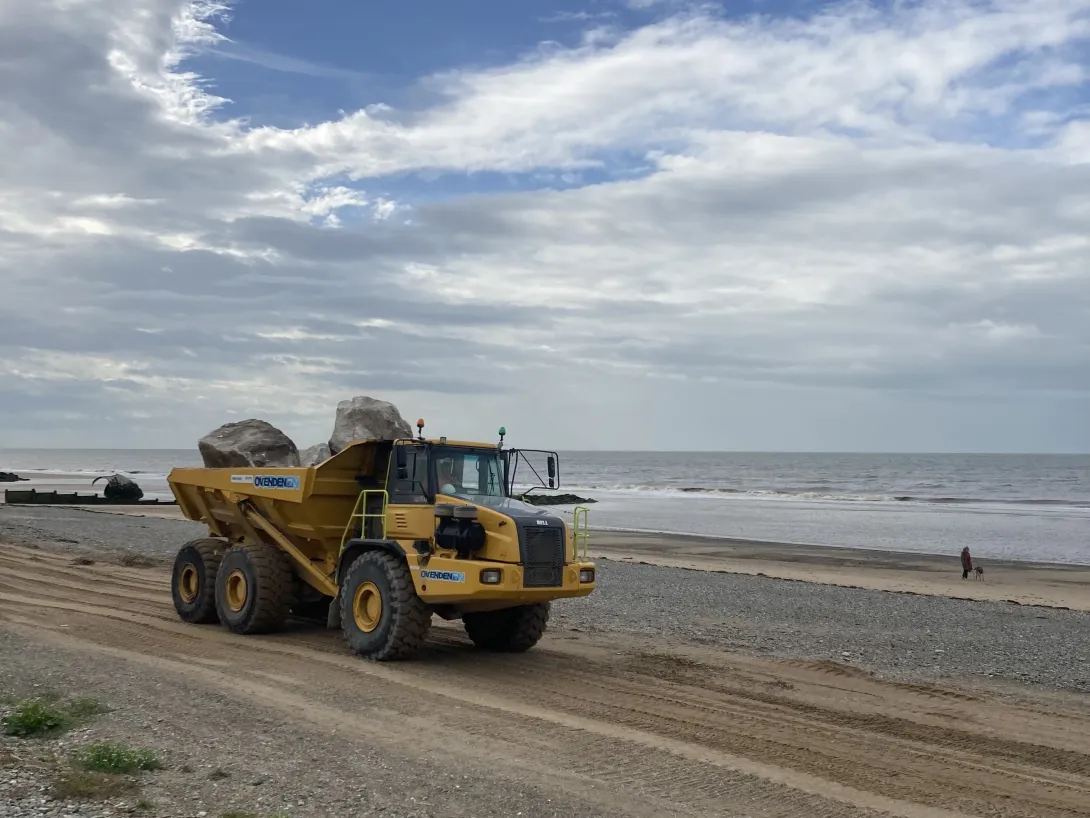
pixel 511 630
pixel 260 602
pixel 401 620
pixel 193 583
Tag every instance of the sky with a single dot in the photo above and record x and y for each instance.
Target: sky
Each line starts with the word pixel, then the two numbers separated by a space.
pixel 771 225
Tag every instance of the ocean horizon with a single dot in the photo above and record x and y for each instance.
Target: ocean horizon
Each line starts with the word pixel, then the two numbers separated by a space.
pixel 1010 506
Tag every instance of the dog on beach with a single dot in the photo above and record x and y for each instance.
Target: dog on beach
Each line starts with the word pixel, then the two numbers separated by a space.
pixel 978 572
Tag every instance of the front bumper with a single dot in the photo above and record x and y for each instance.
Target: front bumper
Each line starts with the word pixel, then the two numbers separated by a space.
pixel 445 581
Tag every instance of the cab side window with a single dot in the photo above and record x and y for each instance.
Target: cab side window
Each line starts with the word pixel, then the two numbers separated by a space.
pixel 411 489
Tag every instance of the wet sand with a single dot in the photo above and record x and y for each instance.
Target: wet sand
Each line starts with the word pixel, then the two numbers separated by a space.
pixel 1026 583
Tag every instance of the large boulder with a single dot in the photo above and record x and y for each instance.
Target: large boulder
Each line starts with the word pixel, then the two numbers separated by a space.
pixel 248 443
pixel 313 455
pixel 364 418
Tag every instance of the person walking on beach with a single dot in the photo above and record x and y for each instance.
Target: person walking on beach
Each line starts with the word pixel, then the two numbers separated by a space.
pixel 966 563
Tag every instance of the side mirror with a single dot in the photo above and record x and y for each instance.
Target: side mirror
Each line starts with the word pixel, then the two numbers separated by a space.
pixel 402 462
pixel 552 471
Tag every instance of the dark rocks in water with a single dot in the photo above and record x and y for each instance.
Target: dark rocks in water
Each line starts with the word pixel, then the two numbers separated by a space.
pixel 119 487
pixel 11 477
pixel 246 444
pixel 555 499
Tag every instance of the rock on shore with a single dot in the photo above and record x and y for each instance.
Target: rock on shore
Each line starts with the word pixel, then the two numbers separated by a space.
pixel 120 487
pixel 555 499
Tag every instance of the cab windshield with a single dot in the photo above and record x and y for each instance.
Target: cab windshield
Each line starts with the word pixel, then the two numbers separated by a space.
pixel 468 472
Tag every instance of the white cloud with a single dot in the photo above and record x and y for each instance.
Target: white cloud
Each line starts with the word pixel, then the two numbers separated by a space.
pixel 893 202
pixel 577 16
pixel 998 331
pixel 892 78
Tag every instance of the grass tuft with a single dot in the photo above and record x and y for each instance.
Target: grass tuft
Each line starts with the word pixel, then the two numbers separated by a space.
pixel 108 757
pixel 218 774
pixel 35 717
pixel 45 715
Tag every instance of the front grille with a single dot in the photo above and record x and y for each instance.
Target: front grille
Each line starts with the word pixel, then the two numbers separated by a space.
pixel 543 557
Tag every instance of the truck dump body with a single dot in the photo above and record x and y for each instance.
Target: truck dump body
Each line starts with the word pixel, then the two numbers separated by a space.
pixel 309 506
pixel 324 518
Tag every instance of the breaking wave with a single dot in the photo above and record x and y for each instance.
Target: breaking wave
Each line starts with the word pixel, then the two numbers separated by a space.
pixel 826 493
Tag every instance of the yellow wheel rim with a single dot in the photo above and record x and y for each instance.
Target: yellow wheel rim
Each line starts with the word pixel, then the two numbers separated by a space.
pixel 236 590
pixel 367 607
pixel 188 583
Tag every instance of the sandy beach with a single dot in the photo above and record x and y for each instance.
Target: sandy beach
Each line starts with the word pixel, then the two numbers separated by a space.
pixel 1021 582
pixel 1026 583
pixel 668 691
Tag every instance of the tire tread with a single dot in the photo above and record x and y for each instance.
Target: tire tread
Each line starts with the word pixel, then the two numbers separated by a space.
pixel 211 551
pixel 411 615
pixel 510 630
pixel 273 599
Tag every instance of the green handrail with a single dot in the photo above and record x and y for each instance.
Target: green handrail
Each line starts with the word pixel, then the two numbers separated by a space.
pixel 359 512
pixel 580 532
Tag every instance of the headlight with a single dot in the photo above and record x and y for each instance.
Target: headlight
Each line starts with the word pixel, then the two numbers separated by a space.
pixel 491 576
pixel 586 575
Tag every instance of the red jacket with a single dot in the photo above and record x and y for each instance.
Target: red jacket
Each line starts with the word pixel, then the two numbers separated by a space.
pixel 966 560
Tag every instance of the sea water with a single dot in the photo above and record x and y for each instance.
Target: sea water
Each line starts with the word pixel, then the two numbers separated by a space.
pixel 1029 507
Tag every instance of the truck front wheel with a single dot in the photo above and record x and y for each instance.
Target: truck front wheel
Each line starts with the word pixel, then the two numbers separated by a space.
pixel 382 618
pixel 511 630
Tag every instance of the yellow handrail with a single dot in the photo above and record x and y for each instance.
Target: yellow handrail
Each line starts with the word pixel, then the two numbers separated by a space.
pixel 580 532
pixel 359 512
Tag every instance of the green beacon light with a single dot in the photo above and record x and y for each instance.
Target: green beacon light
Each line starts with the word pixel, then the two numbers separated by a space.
pixel 503 432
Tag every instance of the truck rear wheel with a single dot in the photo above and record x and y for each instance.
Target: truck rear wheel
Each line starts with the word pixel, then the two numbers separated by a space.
pixel 382 618
pixel 253 589
pixel 193 584
pixel 510 630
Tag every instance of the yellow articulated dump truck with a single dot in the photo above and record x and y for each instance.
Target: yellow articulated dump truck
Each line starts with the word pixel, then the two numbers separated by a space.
pixel 378 539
